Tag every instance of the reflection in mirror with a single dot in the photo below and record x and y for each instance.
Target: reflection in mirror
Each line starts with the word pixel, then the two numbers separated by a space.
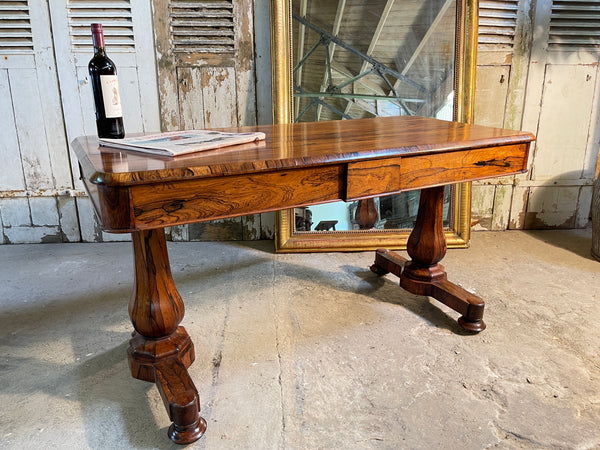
pixel 355 59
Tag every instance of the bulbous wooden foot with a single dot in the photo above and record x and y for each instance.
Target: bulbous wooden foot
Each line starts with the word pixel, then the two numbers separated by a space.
pixel 476 326
pixel 187 435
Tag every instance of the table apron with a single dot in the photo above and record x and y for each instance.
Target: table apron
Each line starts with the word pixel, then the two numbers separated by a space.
pixel 148 206
pixel 166 204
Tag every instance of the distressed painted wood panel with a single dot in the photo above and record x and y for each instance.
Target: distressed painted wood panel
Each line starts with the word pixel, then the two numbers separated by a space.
pixel 584 203
pixel 50 97
pixel 562 104
pixel 90 229
pixel 145 77
pixel 29 234
pixel 29 122
pixel 219 91
pixel 167 67
pixel 491 200
pixel 191 109
pixel 502 65
pixel 482 206
pixel 11 174
pixel 44 211
pixel 549 207
pixel 518 207
pixel 491 95
pixel 491 206
pixel 244 13
pixel 226 67
pixel 68 218
pixel 207 97
pixel 267 226
pixel 25 220
pixel 502 204
pixel 245 228
pixel 217 230
pixel 15 212
pixel 251 227
pixel 564 122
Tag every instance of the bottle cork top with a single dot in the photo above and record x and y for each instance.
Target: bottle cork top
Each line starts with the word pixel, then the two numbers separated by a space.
pixel 97 35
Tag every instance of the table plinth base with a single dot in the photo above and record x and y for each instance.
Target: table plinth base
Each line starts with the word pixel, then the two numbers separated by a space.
pixel 165 361
pixel 432 281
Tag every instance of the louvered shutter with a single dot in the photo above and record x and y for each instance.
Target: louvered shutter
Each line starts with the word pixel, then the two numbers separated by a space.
pixel 205 58
pixel 15 28
pixel 202 27
pixel 128 37
pixel 497 22
pixel 116 20
pixel 574 25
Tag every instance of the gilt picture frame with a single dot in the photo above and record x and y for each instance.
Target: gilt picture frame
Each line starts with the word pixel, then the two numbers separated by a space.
pixel 287 238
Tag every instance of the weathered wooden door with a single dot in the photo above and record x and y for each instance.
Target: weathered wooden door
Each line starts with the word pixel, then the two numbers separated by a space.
pixel 538 71
pixel 205 59
pixel 562 106
pixel 47 101
pixel 129 42
pixel 34 161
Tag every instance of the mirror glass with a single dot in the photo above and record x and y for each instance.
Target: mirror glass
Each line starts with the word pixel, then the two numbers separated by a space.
pixel 349 59
pixel 354 59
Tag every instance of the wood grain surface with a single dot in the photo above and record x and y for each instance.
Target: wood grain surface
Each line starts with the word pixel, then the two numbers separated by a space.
pixel 297 165
pixel 294 145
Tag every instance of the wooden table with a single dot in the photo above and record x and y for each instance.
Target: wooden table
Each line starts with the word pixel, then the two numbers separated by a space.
pixel 297 165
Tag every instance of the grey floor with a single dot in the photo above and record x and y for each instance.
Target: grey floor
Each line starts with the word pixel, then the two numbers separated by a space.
pixel 308 351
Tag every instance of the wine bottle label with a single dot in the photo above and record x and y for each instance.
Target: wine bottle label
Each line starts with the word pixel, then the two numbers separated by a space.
pixel 110 96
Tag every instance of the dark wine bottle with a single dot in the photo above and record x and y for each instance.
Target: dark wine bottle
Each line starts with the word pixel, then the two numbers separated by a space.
pixel 105 86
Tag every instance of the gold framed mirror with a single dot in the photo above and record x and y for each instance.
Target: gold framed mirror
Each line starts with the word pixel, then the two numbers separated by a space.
pixel 434 40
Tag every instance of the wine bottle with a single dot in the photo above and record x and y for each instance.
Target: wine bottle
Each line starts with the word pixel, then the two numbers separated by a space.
pixel 105 86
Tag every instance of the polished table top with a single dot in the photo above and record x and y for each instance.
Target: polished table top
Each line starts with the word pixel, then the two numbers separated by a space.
pixel 291 146
pixel 296 165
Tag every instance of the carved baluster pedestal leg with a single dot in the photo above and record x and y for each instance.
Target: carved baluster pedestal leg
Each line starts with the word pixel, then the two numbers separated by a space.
pixel 161 350
pixel 366 214
pixel 423 275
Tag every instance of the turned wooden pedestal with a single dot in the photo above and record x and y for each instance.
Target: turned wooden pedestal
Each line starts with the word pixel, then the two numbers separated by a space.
pixel 423 275
pixel 160 350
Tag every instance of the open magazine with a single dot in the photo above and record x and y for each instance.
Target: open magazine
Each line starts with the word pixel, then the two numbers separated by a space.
pixel 176 143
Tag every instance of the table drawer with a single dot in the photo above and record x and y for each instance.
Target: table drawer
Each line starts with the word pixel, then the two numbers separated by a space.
pixel 371 178
pixel 390 175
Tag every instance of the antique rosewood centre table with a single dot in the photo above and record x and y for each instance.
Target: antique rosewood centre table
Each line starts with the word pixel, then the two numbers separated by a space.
pixel 297 165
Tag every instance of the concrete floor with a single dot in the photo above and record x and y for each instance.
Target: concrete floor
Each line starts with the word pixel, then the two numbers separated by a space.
pixel 308 351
